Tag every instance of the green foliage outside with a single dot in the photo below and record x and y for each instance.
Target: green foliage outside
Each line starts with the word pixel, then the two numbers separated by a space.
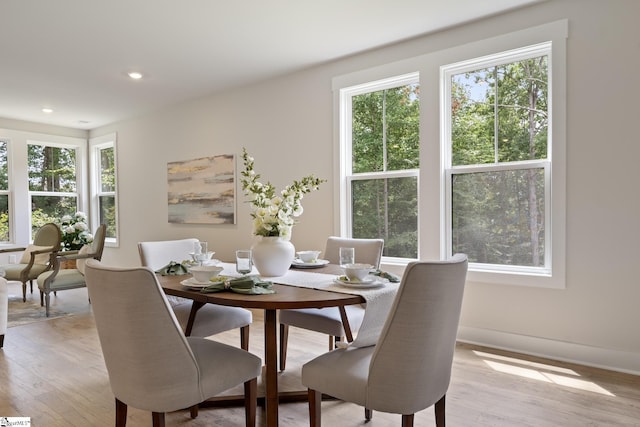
pixel 499 116
pixel 386 138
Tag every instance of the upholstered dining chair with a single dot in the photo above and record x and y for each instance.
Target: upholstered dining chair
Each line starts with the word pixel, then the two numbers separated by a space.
pixel 60 279
pixel 36 258
pixel 151 364
pixel 4 309
pixel 409 369
pixel 210 319
pixel 328 320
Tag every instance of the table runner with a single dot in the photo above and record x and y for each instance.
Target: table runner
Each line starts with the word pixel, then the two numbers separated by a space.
pixel 379 300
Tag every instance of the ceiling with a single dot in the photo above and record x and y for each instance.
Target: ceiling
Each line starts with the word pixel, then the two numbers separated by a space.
pixel 73 56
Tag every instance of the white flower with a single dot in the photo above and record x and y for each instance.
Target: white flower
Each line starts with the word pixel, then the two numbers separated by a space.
pixel 273 215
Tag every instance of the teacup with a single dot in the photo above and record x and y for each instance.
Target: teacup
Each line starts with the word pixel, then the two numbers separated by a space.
pixel 308 256
pixel 357 272
pixel 203 273
pixel 202 257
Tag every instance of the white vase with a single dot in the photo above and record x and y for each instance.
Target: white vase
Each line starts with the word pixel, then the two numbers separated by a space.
pixel 272 256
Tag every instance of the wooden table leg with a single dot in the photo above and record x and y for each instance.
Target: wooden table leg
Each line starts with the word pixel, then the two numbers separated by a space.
pixel 271 367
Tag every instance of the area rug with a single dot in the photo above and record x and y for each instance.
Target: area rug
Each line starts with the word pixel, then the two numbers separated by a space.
pixel 22 313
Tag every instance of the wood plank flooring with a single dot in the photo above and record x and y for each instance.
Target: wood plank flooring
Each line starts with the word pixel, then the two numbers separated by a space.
pixel 53 372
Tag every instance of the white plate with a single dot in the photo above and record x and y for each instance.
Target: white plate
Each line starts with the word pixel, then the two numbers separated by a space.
pixel 194 284
pixel 369 282
pixel 297 263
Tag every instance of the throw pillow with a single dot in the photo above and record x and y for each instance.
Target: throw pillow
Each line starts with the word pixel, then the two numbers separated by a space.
pixel 40 258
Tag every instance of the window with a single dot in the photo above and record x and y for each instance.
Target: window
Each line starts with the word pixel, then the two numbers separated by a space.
pixel 497 162
pixel 103 186
pixel 381 135
pixel 480 164
pixel 53 187
pixel 5 223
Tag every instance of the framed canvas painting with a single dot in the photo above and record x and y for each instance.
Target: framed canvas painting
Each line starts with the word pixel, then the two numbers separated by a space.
pixel 202 191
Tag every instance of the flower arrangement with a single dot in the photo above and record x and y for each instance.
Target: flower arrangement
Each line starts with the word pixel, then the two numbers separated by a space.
pixel 273 215
pixel 75 231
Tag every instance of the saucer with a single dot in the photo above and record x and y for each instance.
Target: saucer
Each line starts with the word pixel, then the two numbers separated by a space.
pixel 298 263
pixel 368 282
pixel 194 284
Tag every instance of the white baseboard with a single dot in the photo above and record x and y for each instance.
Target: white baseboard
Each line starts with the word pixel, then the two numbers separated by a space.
pixel 614 360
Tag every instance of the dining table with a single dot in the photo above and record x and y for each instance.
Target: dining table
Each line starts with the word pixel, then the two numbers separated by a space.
pixel 286 296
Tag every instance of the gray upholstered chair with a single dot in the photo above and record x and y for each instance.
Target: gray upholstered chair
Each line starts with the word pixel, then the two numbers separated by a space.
pixel 409 369
pixel 210 319
pixel 151 364
pixel 60 279
pixel 35 258
pixel 328 320
pixel 4 309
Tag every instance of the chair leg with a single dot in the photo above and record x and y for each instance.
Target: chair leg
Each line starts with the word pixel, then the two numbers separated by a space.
pixel 193 411
pixel 315 406
pixel 439 410
pixel 31 285
pixel 1 340
pixel 244 338
pixel 284 337
pixel 24 291
pixel 47 299
pixel 368 414
pixel 333 342
pixel 158 419
pixel 250 401
pixel 407 420
pixel 121 414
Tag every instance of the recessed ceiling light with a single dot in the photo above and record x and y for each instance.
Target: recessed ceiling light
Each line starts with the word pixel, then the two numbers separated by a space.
pixel 135 75
pixel 47 110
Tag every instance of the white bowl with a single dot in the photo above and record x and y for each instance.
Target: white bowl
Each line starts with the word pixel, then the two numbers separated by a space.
pixel 357 271
pixel 309 256
pixel 204 273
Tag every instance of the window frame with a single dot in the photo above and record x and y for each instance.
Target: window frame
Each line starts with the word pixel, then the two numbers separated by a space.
pixel 347 176
pixel 446 73
pixel 96 145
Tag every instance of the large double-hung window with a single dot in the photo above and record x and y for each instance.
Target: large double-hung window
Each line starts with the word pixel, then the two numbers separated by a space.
pixel 462 151
pixel 497 161
pixel 381 134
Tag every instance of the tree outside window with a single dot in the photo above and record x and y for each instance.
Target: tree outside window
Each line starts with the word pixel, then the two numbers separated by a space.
pixel 52 183
pixel 5 232
pixel 382 179
pixel 498 167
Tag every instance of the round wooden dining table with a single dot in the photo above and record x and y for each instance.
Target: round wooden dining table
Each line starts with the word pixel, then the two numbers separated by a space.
pixel 285 297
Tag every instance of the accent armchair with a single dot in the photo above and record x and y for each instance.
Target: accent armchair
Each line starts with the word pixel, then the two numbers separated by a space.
pixel 59 279
pixel 409 369
pixel 328 320
pixel 151 364
pixel 36 258
pixel 210 319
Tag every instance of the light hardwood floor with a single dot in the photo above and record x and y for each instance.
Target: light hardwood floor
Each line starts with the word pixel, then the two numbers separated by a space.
pixel 53 372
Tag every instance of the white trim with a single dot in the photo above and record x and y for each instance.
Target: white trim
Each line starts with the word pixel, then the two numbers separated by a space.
pixel 95 144
pixel 614 360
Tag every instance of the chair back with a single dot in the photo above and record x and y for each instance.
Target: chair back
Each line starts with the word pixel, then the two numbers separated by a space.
pixel 156 255
pixel 97 246
pixel 48 235
pixel 148 358
pixel 368 251
pixel 410 369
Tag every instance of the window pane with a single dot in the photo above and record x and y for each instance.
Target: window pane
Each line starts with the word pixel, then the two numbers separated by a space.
pixel 108 214
pixel 50 209
pixel 388 209
pixel 4 166
pixel 52 169
pixel 107 170
pixel 504 125
pixel 498 217
pixel 385 130
pixel 4 217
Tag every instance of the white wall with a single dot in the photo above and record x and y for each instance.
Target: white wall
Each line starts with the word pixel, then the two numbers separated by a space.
pixel 286 124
